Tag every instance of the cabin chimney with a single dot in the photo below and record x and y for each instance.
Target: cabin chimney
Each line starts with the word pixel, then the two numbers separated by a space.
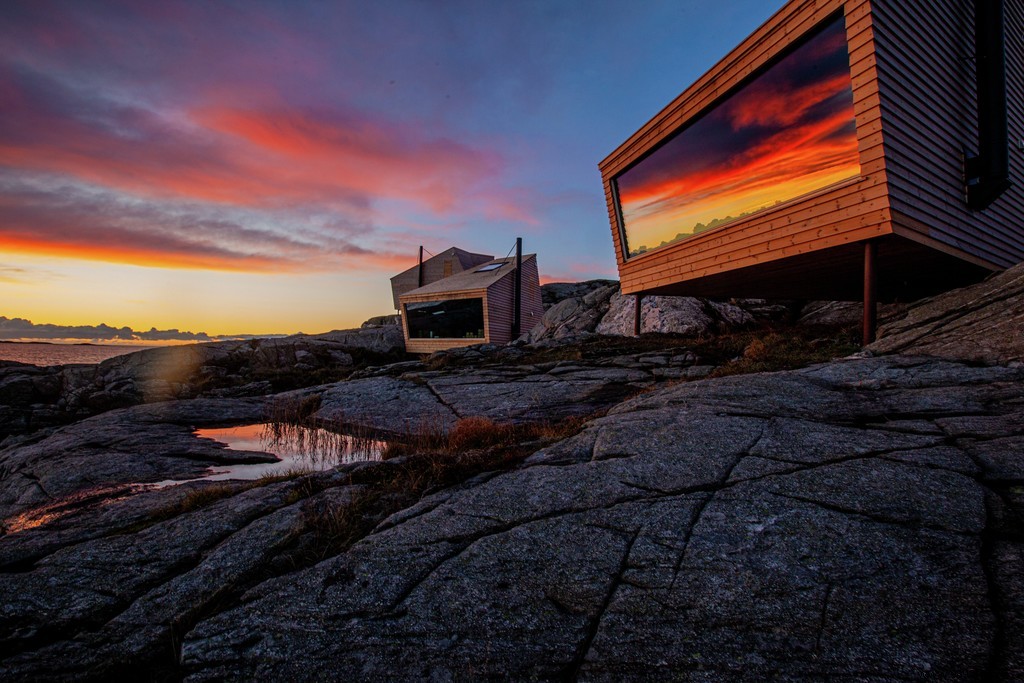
pixel 419 269
pixel 988 172
pixel 518 296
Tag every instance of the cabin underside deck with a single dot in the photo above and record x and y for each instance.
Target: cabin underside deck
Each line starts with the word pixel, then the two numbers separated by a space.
pixel 905 271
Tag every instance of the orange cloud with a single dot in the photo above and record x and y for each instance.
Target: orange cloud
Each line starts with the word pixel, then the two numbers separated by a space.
pixel 301 152
pixel 73 222
pixel 782 166
pixel 261 188
pixel 189 257
pixel 762 105
pixel 788 153
pixel 147 189
pixel 141 256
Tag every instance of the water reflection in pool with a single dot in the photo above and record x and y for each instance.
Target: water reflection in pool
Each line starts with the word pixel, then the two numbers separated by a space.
pixel 299 448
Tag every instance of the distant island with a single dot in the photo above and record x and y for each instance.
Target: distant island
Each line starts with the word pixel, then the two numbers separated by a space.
pixel 23 330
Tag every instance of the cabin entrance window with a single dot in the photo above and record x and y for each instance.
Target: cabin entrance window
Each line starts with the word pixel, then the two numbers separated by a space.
pixel 447 319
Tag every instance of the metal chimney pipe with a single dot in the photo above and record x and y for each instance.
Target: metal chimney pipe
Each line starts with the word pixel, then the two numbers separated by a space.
pixel 988 172
pixel 518 296
pixel 419 269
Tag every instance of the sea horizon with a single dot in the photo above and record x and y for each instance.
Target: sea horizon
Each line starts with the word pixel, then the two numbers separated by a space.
pixel 70 350
pixel 56 352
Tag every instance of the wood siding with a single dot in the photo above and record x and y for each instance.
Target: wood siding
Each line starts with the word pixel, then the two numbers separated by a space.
pixel 500 301
pixel 432 345
pixel 499 310
pixel 926 79
pixel 533 305
pixel 848 212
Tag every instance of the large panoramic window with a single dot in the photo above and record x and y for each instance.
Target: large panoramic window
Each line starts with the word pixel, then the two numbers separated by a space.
pixel 448 319
pixel 788 132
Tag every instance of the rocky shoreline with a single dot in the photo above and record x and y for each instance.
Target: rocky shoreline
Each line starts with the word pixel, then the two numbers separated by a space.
pixel 859 518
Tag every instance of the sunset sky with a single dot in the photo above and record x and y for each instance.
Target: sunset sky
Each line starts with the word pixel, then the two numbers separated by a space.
pixel 265 167
pixel 788 132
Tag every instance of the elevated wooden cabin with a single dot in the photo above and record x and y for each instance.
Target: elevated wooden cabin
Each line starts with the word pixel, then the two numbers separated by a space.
pixel 449 262
pixel 475 306
pixel 845 149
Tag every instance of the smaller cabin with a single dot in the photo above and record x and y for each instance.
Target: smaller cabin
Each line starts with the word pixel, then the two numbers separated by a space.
pixel 449 262
pixel 476 306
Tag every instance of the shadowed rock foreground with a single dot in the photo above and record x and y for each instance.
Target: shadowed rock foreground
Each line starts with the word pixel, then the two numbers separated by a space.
pixel 855 520
pixel 850 519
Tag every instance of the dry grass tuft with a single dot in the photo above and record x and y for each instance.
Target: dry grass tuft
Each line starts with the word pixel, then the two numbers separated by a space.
pixel 293 409
pixel 769 350
pixel 207 495
pixel 480 432
pixel 331 529
pixel 475 433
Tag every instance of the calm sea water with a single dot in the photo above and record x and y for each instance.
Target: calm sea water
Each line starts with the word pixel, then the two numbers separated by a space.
pixel 61 354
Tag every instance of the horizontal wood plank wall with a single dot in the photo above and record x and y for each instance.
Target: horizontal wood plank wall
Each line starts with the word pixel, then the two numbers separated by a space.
pixel 929 118
pixel 500 298
pixel 499 309
pixel 432 345
pixel 849 211
pixel 533 305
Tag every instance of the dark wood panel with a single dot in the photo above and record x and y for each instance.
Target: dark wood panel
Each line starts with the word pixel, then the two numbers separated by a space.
pixel 499 309
pixel 464 294
pixel 915 174
pixel 926 81
pixel 432 345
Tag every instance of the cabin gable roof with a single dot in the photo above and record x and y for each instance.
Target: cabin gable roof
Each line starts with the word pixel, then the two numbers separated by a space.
pixel 481 276
pixel 466 259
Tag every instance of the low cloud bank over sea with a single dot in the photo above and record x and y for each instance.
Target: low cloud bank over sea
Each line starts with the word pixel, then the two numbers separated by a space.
pixel 20 329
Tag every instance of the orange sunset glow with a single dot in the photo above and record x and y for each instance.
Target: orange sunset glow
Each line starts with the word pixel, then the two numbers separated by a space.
pixel 789 132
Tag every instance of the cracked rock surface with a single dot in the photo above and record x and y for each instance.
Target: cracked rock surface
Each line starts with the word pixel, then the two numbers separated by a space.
pixel 33 398
pixel 155 442
pixel 981 323
pixel 858 520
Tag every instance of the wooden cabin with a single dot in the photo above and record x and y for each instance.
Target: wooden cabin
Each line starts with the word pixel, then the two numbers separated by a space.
pixel 476 306
pixel 449 262
pixel 845 149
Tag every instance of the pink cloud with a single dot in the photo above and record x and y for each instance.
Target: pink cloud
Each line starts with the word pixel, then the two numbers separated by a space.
pixel 303 153
pixel 248 157
pixel 72 223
